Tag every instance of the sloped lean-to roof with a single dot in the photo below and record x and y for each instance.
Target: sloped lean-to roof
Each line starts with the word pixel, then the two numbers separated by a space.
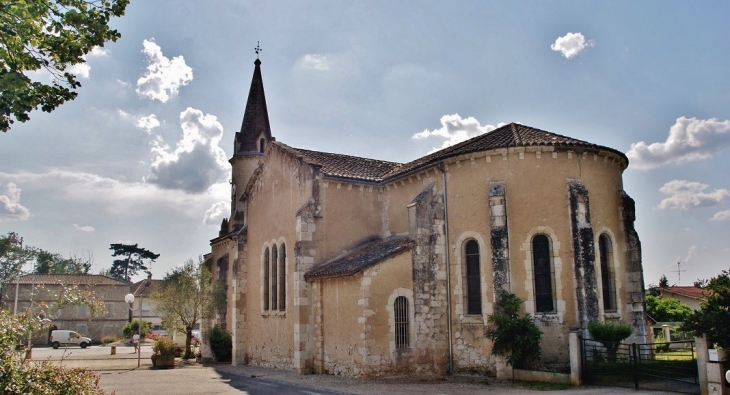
pixel 508 136
pixel 363 256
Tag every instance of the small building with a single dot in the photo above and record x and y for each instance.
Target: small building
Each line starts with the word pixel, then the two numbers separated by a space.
pixel 690 295
pixel 143 292
pixel 46 289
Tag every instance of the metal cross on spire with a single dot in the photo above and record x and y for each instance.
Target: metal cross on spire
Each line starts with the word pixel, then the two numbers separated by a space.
pixel 257 49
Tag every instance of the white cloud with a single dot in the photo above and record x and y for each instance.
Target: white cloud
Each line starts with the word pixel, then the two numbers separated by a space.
pixel 691 251
pixel 83 69
pixel 571 44
pixel 163 77
pixel 215 214
pixel 10 207
pixel 721 216
pixel 456 129
pixel 147 123
pixel 315 62
pixel 197 161
pixel 690 139
pixel 686 195
pixel 84 228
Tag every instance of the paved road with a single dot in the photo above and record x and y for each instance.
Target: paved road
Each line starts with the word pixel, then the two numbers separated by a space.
pixel 119 373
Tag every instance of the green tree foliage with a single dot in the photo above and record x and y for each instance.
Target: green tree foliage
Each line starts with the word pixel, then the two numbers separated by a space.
pixel 12 258
pixel 713 317
pixel 133 261
pixel 51 263
pixel 187 295
pixel 134 326
pixel 221 344
pixel 663 282
pixel 49 35
pixel 610 334
pixel 513 336
pixel 19 375
pixel 667 309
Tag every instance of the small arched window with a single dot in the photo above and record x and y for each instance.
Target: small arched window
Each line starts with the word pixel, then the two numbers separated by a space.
pixel 274 277
pixel 282 277
pixel 261 145
pixel 542 273
pixel 400 308
pixel 473 278
pixel 265 296
pixel 604 256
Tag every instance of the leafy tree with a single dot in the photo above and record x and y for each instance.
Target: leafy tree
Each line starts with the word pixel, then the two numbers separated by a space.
pixel 12 258
pixel 667 309
pixel 713 317
pixel 133 262
pixel 133 326
pixel 663 282
pixel 514 336
pixel 49 35
pixel 221 344
pixel 610 334
pixel 187 294
pixel 51 263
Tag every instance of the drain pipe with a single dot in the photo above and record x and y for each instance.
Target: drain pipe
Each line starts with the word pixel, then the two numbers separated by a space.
pixel 448 271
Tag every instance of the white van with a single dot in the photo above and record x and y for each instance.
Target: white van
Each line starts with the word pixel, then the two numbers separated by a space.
pixel 59 337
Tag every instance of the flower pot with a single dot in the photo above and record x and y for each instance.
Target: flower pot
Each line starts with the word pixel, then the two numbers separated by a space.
pixel 165 361
pixel 717 354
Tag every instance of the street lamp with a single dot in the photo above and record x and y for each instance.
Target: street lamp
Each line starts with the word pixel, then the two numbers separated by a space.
pixel 14 240
pixel 129 298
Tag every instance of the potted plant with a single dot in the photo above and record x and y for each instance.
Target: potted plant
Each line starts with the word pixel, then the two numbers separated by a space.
pixel 164 353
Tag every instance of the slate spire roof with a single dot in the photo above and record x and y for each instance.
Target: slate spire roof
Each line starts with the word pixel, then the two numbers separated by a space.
pixel 255 118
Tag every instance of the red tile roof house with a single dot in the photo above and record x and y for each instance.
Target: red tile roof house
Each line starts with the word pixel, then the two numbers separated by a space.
pixel 690 295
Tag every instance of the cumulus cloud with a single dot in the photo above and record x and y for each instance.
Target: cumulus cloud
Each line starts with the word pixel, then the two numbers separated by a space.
pixel 690 139
pixel 571 44
pixel 315 62
pixel 147 123
pixel 456 129
pixel 721 216
pixel 163 76
pixel 687 194
pixel 10 207
pixel 83 69
pixel 215 214
pixel 84 228
pixel 197 161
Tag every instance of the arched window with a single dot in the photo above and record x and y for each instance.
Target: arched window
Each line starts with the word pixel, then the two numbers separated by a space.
pixel 282 277
pixel 261 145
pixel 400 308
pixel 604 256
pixel 265 296
pixel 473 278
pixel 274 277
pixel 542 273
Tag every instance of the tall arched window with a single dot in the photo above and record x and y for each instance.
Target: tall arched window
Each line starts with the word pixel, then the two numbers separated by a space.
pixel 265 296
pixel 274 277
pixel 400 308
pixel 282 277
pixel 604 256
pixel 542 273
pixel 473 278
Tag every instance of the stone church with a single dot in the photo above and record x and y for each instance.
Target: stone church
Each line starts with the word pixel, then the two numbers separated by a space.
pixel 345 265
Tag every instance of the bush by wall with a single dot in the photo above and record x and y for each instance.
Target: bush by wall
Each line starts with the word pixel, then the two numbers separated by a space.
pixel 221 344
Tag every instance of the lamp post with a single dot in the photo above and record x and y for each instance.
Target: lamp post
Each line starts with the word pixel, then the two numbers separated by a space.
pixel 129 298
pixel 14 240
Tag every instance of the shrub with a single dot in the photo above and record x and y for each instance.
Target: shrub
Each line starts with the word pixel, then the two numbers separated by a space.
pixel 713 317
pixel 221 344
pixel 164 346
pixel 109 339
pixel 134 327
pixel 515 337
pixel 610 334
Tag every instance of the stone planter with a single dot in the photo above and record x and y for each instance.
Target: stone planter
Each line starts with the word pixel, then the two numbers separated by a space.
pixel 717 354
pixel 163 361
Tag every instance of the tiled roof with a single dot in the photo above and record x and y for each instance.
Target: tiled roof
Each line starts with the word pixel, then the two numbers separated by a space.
pixel 508 136
pixel 688 291
pixel 69 279
pixel 345 166
pixel 141 289
pixel 367 254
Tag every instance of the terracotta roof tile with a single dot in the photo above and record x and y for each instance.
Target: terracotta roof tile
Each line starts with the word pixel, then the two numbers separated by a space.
pixel 69 279
pixel 345 166
pixel 688 291
pixel 141 289
pixel 365 255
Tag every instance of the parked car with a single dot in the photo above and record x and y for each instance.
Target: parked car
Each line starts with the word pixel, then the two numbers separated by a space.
pixel 59 337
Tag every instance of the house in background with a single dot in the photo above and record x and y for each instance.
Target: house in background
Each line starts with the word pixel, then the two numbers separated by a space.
pixel 690 295
pixel 143 292
pixel 47 287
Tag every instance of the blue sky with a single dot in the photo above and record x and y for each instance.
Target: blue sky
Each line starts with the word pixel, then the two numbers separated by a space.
pixel 140 156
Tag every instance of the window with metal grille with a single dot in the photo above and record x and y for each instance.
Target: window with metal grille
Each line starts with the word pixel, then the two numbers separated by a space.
pixel 282 278
pixel 473 279
pixel 400 309
pixel 542 273
pixel 274 277
pixel 266 280
pixel 604 255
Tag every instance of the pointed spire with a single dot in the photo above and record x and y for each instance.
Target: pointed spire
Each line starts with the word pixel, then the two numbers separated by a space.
pixel 255 126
